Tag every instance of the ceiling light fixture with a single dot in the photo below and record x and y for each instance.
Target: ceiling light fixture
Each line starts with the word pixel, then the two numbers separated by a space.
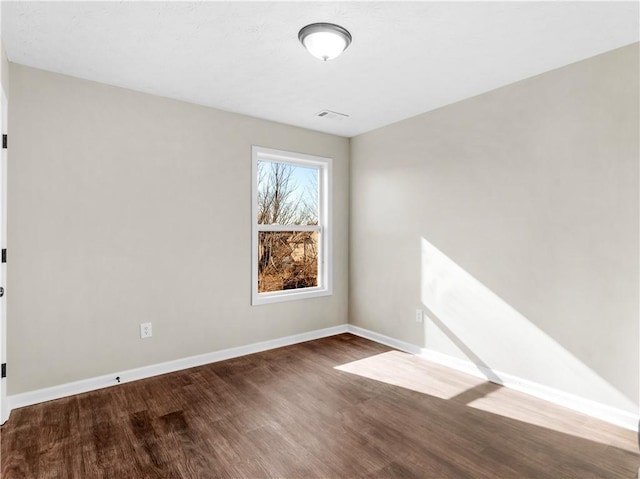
pixel 324 40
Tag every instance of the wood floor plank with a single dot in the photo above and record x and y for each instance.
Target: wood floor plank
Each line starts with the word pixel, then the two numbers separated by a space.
pixel 339 407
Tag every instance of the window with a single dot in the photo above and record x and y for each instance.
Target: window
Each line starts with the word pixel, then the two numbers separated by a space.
pixel 291 206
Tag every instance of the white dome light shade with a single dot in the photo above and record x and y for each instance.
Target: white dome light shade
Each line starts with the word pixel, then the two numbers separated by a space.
pixel 324 40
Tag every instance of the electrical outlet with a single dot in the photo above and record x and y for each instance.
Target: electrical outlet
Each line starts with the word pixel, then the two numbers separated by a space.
pixel 419 316
pixel 145 330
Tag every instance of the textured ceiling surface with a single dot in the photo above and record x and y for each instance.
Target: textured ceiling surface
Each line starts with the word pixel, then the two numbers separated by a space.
pixel 244 57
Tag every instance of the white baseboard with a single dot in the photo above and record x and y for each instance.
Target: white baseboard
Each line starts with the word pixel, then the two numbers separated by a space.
pixel 382 339
pixel 591 408
pixel 91 384
pixel 601 411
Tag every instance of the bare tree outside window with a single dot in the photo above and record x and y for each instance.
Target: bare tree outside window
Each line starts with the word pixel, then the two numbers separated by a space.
pixel 287 195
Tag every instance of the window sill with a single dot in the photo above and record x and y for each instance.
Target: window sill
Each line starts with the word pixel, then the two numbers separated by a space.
pixel 289 295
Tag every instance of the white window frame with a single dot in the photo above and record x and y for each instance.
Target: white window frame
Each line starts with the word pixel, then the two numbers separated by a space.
pixel 325 261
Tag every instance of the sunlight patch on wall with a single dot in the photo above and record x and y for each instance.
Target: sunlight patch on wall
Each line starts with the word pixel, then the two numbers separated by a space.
pixel 492 334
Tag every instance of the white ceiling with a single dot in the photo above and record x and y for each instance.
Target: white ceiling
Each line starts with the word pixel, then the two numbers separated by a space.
pixel 405 59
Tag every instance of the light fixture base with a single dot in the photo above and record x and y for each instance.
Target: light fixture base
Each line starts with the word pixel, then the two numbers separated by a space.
pixel 325 40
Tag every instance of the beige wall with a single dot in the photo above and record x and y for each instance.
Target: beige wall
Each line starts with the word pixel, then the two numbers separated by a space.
pixel 4 77
pixel 126 208
pixel 512 217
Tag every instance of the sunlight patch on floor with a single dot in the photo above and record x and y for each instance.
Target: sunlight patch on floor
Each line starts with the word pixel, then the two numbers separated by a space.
pixel 415 373
pixel 411 372
pixel 522 407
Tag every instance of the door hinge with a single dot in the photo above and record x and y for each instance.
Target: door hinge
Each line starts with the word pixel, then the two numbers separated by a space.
pixel 4 255
pixel 4 141
pixel 3 373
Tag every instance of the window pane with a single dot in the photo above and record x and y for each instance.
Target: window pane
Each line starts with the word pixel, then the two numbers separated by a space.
pixel 287 260
pixel 287 194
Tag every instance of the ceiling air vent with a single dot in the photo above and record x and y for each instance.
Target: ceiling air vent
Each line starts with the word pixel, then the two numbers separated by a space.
pixel 331 115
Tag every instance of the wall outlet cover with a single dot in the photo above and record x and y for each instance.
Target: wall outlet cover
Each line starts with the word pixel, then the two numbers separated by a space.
pixel 145 330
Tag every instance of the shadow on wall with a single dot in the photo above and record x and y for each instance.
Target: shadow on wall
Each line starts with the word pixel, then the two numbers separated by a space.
pixel 473 357
pixel 481 325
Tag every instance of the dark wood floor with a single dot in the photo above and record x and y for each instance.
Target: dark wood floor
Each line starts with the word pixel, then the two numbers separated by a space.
pixel 335 407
